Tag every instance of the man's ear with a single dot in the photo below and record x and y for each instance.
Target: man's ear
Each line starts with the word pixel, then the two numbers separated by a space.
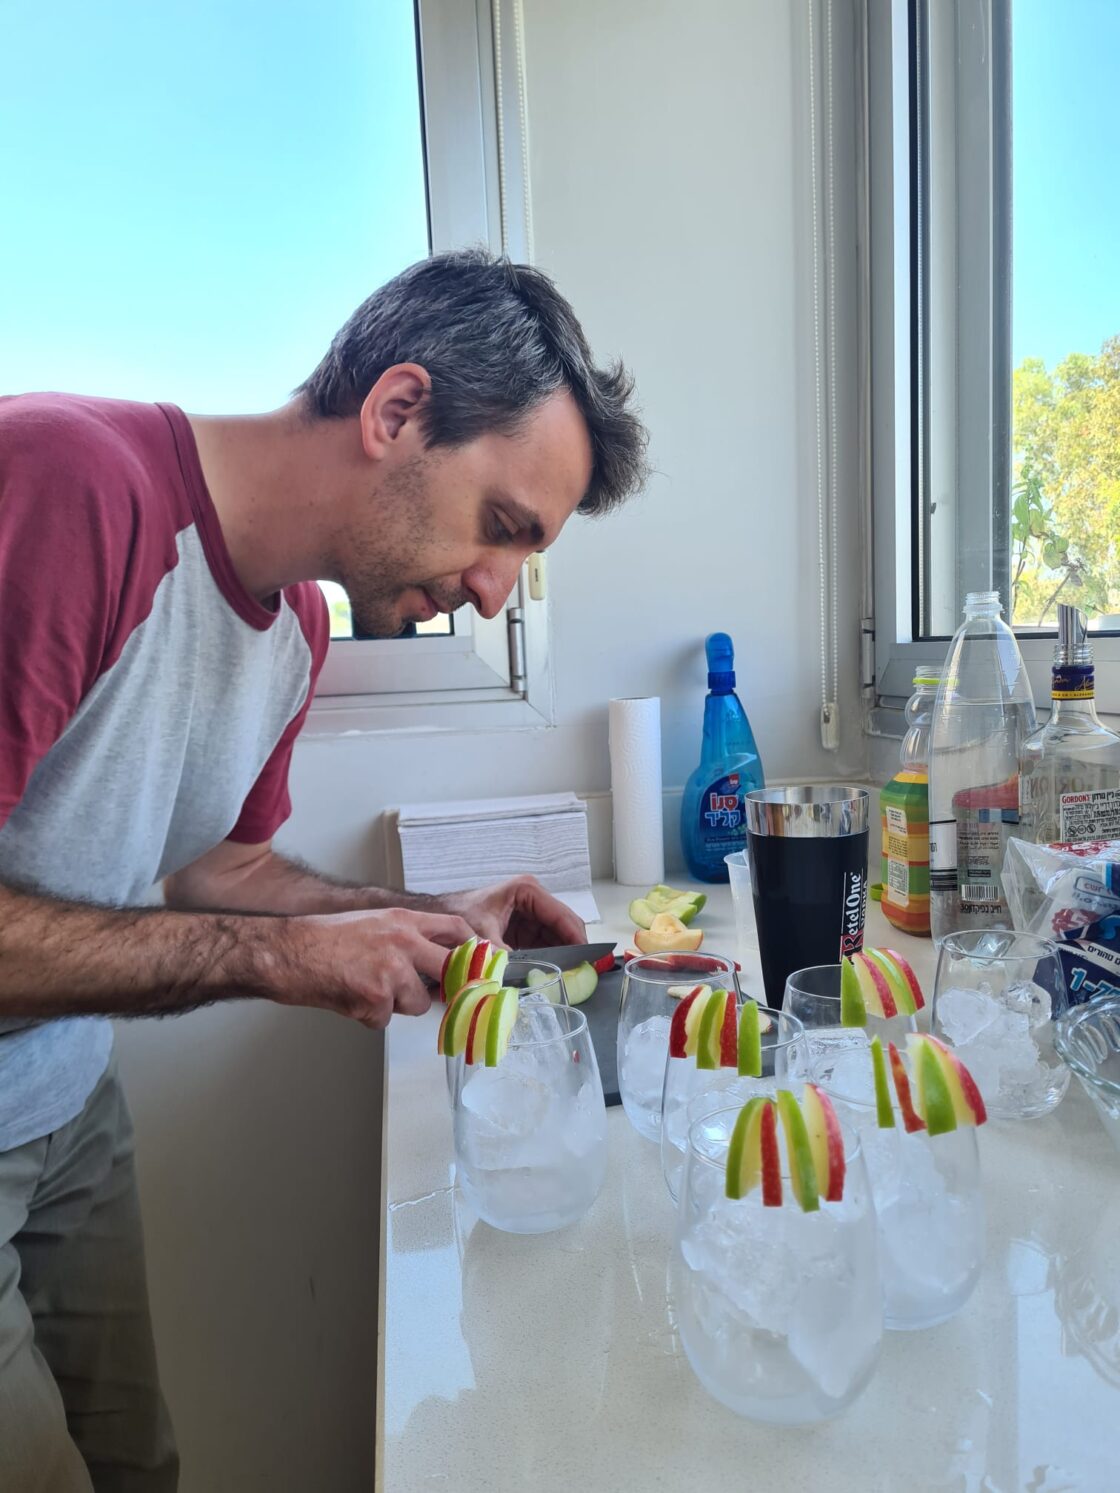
pixel 392 406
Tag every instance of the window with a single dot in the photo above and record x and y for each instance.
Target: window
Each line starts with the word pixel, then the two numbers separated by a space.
pixel 996 324
pixel 203 193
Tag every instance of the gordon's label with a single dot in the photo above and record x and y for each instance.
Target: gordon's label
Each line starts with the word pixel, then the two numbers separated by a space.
pixel 1090 815
pixel 1072 682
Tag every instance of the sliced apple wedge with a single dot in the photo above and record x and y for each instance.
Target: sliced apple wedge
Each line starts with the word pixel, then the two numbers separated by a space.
pixel 802 1171
pixel 878 997
pixel 475 1049
pixel 911 1119
pixel 454 974
pixel 935 1102
pixel 899 989
pixel 678 992
pixel 678 1026
pixel 968 1103
pixel 711 1030
pixel 753 1156
pixel 884 1109
pixel 667 933
pixel 853 1009
pixel 826 1141
pixel 580 983
pixel 909 978
pixel 452 1038
pixel 729 1032
pixel 500 1025
pixel 750 1041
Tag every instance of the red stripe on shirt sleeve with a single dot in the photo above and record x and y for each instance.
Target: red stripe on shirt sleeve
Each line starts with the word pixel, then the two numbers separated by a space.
pixel 269 803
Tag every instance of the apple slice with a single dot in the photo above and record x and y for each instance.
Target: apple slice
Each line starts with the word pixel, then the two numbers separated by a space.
pixel 884 1109
pixel 752 1154
pixel 454 974
pixel 453 1028
pixel 667 933
pixel 678 1025
pixel 909 978
pixel 900 990
pixel 662 899
pixel 878 997
pixel 500 1025
pixel 678 992
pixel 729 1032
pixel 968 1102
pixel 711 1029
pixel 911 1119
pixel 496 964
pixel 802 1172
pixel 694 1019
pixel 750 1041
pixel 480 958
pixel 476 1033
pixel 935 1102
pixel 604 964
pixel 826 1140
pixel 580 983
pixel 853 1011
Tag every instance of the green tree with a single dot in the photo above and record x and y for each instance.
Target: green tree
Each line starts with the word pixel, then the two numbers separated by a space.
pixel 1065 519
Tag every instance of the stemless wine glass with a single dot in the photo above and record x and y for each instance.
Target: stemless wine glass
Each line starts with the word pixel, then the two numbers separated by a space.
pixel 535 978
pixel 531 1133
pixel 928 1202
pixel 690 1093
pixel 813 996
pixel 995 1000
pixel 651 987
pixel 779 1311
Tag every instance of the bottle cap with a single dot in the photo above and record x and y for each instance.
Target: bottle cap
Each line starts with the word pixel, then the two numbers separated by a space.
pixel 928 675
pixel 721 663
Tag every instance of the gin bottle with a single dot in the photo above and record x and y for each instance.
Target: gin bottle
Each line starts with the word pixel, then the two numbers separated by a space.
pixel 1069 769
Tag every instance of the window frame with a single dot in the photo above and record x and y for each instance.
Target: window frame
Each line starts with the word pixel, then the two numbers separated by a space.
pixel 969 397
pixel 492 670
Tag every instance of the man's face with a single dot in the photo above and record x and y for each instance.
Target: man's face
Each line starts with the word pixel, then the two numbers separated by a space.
pixel 452 526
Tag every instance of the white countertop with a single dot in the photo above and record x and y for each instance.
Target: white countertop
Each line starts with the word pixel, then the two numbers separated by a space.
pixel 534 1364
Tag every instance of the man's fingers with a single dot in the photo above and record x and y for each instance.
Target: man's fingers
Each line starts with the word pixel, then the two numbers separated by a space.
pixel 413 1000
pixel 443 928
pixel 559 922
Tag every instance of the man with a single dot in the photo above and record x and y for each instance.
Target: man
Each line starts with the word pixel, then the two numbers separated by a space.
pixel 161 634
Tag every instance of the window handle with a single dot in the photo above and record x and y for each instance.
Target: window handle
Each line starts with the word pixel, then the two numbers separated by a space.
pixel 538 577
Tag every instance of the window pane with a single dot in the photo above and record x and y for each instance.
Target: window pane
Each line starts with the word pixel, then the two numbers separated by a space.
pixel 342 625
pixel 1066 311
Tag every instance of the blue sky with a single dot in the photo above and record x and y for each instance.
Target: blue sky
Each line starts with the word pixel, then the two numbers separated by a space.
pixel 1066 55
pixel 198 192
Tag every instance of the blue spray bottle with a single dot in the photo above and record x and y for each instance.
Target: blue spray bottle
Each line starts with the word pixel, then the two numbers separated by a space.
pixel 713 822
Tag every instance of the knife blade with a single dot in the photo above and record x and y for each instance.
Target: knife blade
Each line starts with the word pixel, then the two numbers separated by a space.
pixel 567 956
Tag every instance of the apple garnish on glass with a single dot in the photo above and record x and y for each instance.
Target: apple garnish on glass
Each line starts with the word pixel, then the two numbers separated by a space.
pixel 877 982
pixel 814 1150
pixel 709 1027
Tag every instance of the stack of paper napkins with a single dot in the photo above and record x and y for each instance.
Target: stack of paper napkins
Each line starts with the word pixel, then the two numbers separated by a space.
pixel 450 846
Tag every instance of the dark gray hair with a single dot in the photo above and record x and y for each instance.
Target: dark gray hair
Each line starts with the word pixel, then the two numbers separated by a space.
pixel 497 339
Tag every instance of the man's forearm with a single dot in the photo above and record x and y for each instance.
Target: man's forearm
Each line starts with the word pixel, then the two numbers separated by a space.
pixel 275 884
pixel 70 959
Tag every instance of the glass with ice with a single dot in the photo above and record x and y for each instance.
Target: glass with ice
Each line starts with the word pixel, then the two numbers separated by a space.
pixel 532 977
pixel 531 1132
pixel 996 997
pixel 779 1310
pixel 927 1195
pixel 691 1091
pixel 813 996
pixel 651 988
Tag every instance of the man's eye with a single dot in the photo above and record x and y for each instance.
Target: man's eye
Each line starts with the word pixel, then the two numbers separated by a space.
pixel 500 534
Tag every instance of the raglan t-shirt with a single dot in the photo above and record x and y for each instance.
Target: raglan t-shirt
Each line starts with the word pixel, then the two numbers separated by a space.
pixel 148 703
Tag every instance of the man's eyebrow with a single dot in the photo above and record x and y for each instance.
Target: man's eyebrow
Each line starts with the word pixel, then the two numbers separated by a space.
pixel 524 517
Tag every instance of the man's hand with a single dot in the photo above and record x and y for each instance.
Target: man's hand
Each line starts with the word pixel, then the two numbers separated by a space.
pixel 518 912
pixel 369 964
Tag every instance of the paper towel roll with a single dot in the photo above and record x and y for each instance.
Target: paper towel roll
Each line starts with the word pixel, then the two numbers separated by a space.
pixel 635 743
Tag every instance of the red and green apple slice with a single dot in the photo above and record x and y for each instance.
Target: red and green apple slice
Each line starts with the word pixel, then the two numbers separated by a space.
pixel 914 1000
pixel 710 1034
pixel 729 1033
pixel 874 987
pixel 853 1008
pixel 580 983
pixel 684 1020
pixel 475 1048
pixel 454 973
pixel 826 1141
pixel 935 1102
pixel 456 1021
pixel 752 1154
pixel 499 1027
pixel 911 1119
pixel 884 1109
pixel 802 1172
pixel 968 1103
pixel 749 1056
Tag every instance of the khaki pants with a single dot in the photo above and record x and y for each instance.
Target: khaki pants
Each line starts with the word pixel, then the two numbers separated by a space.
pixel 80 1405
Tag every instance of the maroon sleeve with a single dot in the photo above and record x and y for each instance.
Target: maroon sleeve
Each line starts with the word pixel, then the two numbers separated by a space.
pixel 269 803
pixel 68 546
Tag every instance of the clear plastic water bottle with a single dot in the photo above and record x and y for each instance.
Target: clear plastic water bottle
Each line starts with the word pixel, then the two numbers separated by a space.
pixel 983 713
pixel 904 815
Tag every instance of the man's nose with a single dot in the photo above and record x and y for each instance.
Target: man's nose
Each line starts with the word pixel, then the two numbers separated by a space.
pixel 490 585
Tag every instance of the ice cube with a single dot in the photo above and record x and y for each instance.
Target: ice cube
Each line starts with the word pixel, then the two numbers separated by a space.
pixel 510 1122
pixel 962 1014
pixel 643 1061
pixel 738 1246
pixel 1029 1000
pixel 583 1122
pixel 852 1076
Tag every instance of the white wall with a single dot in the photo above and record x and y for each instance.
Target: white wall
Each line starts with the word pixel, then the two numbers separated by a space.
pixel 670 202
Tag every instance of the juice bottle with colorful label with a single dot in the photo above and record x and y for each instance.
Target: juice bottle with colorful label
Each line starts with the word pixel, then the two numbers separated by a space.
pixel 904 814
